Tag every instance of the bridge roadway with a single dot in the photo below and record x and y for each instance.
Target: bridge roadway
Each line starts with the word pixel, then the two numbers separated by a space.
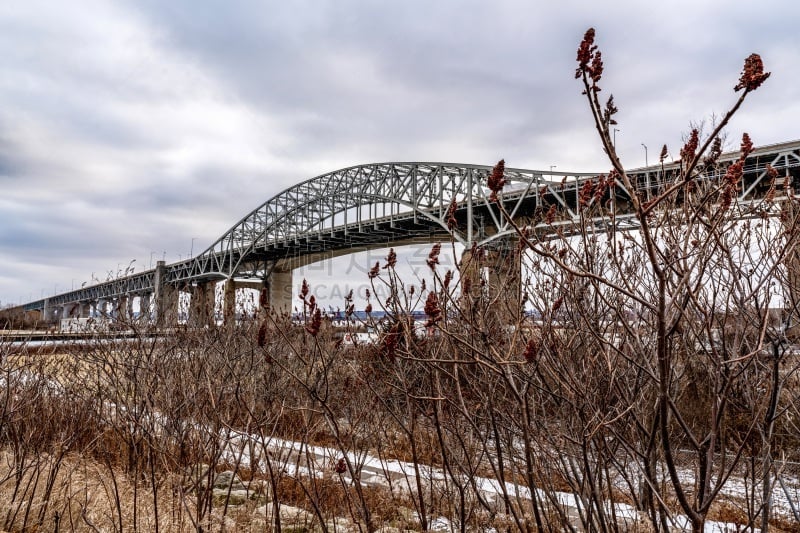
pixel 371 206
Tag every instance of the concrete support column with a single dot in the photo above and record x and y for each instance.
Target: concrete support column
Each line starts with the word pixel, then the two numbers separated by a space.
pixel 46 310
pixel 492 277
pixel 157 305
pixel 281 291
pixel 49 313
pixel 121 308
pixel 84 309
pixel 791 226
pixel 101 309
pixel 145 311
pixel 165 304
pixel 167 310
pixel 201 310
pixel 229 302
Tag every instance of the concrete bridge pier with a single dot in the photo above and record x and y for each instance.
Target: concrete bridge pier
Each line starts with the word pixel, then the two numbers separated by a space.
pixel 46 311
pixel 201 308
pixel 280 290
pixel 791 226
pixel 165 298
pixel 121 308
pixel 51 313
pixel 145 312
pixel 166 305
pixel 101 308
pixel 125 307
pixel 492 277
pixel 229 302
pixel 84 309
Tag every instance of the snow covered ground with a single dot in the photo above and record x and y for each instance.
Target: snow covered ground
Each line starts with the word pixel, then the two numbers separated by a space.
pixel 303 460
pixel 299 459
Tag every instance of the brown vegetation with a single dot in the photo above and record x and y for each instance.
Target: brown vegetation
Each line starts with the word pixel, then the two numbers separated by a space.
pixel 655 378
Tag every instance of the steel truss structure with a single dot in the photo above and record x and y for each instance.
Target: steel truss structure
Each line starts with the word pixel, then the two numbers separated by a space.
pixel 385 204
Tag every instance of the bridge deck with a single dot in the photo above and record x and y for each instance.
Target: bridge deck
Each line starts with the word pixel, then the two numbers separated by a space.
pixel 347 210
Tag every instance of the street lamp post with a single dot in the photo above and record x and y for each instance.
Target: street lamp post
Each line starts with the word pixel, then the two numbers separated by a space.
pixel 191 249
pixel 151 259
pixel 614 142
pixel 646 169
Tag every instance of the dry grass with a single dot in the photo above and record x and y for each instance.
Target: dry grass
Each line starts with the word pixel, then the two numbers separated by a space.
pixel 123 458
pixel 734 513
pixel 88 496
pixel 84 497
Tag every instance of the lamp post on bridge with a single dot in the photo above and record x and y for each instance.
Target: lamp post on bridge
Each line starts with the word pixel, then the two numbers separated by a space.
pixel 646 170
pixel 614 142
pixel 191 249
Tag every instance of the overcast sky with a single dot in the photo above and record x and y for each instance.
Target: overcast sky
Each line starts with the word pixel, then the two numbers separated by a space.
pixel 140 129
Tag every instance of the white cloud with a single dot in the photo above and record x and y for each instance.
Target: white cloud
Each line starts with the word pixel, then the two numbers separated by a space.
pixel 133 127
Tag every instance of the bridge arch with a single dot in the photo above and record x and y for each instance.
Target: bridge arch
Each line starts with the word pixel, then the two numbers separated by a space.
pixel 417 196
pixel 382 204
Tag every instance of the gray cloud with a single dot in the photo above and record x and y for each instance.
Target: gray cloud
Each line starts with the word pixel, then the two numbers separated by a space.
pixel 129 128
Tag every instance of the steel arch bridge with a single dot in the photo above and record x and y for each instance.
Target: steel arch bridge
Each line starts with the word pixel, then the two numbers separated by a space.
pixel 385 204
pixel 372 205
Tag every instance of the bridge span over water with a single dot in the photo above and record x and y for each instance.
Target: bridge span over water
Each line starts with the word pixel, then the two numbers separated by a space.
pixel 372 206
